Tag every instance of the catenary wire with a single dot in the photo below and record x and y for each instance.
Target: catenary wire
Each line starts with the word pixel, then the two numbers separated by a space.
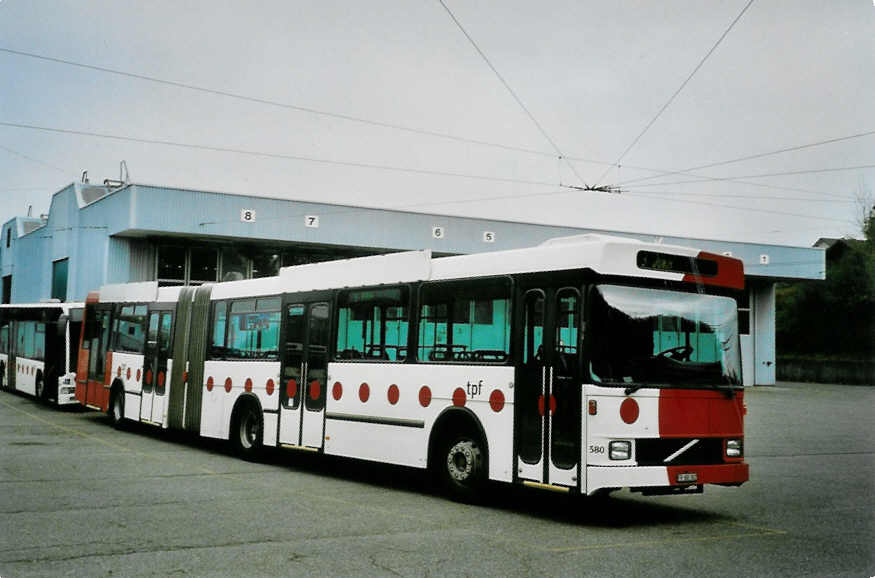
pixel 298 108
pixel 302 158
pixel 678 91
pixel 511 90
pixel 33 160
pixel 688 171
pixel 735 178
pixel 730 197
pixel 370 166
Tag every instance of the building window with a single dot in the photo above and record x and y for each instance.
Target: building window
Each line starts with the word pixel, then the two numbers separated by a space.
pixel 8 237
pixel 265 264
pixel 7 289
pixel 204 265
pixel 744 313
pixel 171 265
pixel 235 265
pixel 59 279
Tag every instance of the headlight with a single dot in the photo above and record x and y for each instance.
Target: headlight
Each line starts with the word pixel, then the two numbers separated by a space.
pixel 734 448
pixel 620 450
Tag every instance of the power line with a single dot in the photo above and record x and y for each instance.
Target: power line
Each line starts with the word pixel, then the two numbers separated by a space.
pixel 758 197
pixel 380 167
pixel 284 105
pixel 510 90
pixel 678 91
pixel 749 209
pixel 751 157
pixel 760 175
pixel 32 159
pixel 317 160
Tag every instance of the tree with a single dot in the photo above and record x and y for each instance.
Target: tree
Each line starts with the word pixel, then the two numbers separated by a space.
pixel 834 318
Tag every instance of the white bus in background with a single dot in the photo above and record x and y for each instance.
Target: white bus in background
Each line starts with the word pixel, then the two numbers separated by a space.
pixel 38 347
pixel 581 365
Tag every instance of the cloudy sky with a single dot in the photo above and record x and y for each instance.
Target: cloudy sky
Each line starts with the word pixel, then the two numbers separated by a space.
pixel 389 103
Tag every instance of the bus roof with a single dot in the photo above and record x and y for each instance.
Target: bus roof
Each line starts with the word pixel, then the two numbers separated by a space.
pixel 603 254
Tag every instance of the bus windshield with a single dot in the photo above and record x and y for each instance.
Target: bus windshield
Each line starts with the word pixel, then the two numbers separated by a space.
pixel 642 336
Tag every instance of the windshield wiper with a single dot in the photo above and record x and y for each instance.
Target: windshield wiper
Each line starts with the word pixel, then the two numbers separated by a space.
pixel 633 388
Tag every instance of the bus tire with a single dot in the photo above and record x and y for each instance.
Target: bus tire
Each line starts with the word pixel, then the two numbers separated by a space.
pixel 247 431
pixel 2 375
pixel 461 466
pixel 116 410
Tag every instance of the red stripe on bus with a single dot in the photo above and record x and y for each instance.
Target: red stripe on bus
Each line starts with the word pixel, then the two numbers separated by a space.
pixel 694 413
pixel 730 272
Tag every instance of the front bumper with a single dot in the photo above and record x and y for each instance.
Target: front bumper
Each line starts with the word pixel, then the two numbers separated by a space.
pixel 600 477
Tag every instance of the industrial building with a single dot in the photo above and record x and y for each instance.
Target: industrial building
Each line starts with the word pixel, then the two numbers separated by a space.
pixel 123 232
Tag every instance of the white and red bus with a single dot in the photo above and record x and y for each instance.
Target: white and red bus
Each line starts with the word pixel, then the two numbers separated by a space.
pixel 583 365
pixel 38 349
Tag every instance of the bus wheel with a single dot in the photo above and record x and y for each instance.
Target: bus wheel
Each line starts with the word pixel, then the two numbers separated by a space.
pixel 461 467
pixel 247 430
pixel 39 387
pixel 116 408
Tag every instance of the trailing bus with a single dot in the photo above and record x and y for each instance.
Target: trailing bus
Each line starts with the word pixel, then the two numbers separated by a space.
pixel 38 346
pixel 583 365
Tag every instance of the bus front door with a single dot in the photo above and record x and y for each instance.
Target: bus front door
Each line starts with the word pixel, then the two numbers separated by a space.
pixel 155 370
pixel 548 388
pixel 304 373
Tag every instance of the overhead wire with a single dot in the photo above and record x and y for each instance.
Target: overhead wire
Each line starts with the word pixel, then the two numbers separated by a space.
pixel 749 209
pixel 262 154
pixel 374 166
pixel 731 196
pixel 33 159
pixel 688 171
pixel 510 90
pixel 759 175
pixel 678 91
pixel 285 105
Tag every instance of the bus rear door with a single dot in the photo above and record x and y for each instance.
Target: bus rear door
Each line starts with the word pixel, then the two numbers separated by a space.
pixel 304 373
pixel 156 375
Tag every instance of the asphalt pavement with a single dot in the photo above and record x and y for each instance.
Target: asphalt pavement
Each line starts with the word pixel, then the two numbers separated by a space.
pixel 78 498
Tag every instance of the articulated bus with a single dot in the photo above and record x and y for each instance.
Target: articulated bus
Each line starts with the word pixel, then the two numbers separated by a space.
pixel 37 356
pixel 583 365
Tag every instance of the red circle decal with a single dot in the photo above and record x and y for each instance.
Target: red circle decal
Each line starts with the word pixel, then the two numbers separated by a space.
pixel 210 383
pixel 248 385
pixel 364 392
pixel 269 387
pixel 228 384
pixel 118 372
pixel 424 396
pixel 337 391
pixel 128 374
pixel 459 397
pixel 496 400
pixel 629 410
pixel 148 377
pixel 160 379
pixel 138 375
pixel 552 405
pixel 393 394
pixel 291 388
pixel 541 405
pixel 315 389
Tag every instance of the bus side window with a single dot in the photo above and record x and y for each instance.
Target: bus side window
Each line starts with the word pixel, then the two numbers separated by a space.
pixel 466 322
pixel 4 339
pixel 373 324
